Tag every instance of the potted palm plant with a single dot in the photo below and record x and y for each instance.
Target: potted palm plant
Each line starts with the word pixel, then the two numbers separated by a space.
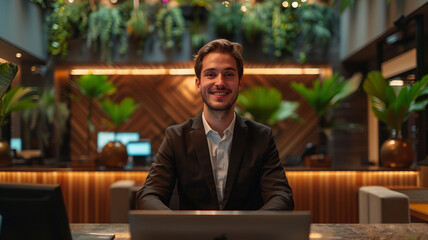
pixel 93 87
pixel 114 153
pixel 16 99
pixel 47 114
pixel 393 107
pixel 265 105
pixel 324 96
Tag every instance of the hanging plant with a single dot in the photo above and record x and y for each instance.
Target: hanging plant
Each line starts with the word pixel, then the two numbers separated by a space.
pixel 283 30
pixel 59 30
pixel 255 21
pixel 317 23
pixel 105 27
pixel 65 21
pixel 227 19
pixel 138 27
pixel 170 26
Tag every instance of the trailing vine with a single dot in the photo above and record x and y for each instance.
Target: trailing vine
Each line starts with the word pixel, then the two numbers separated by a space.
pixel 227 19
pixel 65 21
pixel 283 31
pixel 138 27
pixel 171 27
pixel 106 26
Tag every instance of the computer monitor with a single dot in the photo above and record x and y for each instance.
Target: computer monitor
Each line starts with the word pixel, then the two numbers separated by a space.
pixel 104 137
pixel 140 151
pixel 37 212
pixel 33 211
pixel 16 144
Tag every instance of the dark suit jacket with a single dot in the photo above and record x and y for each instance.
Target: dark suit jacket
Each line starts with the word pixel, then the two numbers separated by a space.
pixel 255 178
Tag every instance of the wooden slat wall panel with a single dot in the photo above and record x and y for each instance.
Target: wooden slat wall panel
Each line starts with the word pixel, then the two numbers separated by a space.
pixel 167 100
pixel 331 196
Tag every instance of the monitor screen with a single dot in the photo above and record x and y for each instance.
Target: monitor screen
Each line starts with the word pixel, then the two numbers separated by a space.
pixel 140 148
pixel 16 143
pixel 33 211
pixel 124 137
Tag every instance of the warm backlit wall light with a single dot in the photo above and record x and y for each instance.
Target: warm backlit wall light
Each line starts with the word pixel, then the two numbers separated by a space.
pixel 190 71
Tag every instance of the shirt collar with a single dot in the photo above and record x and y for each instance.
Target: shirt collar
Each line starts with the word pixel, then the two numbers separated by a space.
pixel 208 128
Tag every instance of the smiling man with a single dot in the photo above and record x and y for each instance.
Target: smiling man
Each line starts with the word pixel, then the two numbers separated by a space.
pixel 218 160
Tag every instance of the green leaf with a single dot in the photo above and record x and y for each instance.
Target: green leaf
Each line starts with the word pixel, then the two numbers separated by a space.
pixel 119 112
pixel 16 99
pixel 324 95
pixel 95 86
pixel 389 108
pixel 265 105
pixel 7 74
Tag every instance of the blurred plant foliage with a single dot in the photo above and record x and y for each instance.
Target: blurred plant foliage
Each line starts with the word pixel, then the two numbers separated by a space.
pixel 226 19
pixel 47 112
pixel 284 29
pixel 105 27
pixel 15 99
pixel 118 113
pixel 393 105
pixel 94 87
pixel 170 25
pixel 265 105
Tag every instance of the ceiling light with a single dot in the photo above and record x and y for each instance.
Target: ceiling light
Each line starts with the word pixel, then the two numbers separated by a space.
pixel 396 83
pixel 191 72
pixel 18 55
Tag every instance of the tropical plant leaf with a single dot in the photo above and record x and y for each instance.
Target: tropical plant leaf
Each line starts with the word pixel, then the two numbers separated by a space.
pixel 392 108
pixel 16 99
pixel 7 74
pixel 119 112
pixel 324 95
pixel 95 86
pixel 265 105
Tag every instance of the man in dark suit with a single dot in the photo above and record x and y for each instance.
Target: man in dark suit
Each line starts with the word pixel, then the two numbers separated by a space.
pixel 218 159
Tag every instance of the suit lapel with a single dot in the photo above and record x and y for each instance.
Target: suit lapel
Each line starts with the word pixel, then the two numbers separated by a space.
pixel 199 141
pixel 240 136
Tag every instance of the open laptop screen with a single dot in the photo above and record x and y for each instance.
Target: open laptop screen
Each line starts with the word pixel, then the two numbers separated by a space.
pixel 219 225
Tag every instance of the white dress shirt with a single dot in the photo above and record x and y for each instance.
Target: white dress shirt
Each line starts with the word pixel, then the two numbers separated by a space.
pixel 219 148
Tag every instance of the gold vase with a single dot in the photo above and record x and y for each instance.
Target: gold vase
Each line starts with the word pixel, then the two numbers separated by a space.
pixel 5 153
pixel 114 155
pixel 396 152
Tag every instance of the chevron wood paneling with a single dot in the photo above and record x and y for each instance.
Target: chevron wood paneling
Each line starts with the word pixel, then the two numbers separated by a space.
pixel 167 100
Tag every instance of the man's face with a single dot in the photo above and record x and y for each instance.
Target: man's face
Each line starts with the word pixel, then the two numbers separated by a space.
pixel 219 84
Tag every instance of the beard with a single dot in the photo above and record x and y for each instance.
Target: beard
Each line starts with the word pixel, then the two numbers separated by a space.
pixel 221 108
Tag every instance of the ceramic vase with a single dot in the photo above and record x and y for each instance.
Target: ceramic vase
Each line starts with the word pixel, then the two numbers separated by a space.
pixel 396 152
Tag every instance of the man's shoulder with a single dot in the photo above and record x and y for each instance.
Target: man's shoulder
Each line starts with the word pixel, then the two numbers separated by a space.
pixel 186 126
pixel 251 124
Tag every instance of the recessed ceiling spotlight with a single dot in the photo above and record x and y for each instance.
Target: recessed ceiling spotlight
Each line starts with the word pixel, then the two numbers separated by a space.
pixel 70 1
pixel 285 4
pixel 18 55
pixel 295 4
pixel 113 1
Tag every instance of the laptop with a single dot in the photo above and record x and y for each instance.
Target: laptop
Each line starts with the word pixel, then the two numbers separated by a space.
pixel 219 225
pixel 37 211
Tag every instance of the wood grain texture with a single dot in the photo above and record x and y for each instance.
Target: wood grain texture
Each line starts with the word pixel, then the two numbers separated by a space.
pixel 331 196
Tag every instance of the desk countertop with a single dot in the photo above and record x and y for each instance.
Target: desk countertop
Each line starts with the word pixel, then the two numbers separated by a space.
pixel 318 231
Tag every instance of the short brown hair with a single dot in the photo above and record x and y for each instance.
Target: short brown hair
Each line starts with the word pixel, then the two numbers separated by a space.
pixel 222 46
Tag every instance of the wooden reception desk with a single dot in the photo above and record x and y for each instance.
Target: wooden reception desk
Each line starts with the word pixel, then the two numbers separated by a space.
pixel 331 196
